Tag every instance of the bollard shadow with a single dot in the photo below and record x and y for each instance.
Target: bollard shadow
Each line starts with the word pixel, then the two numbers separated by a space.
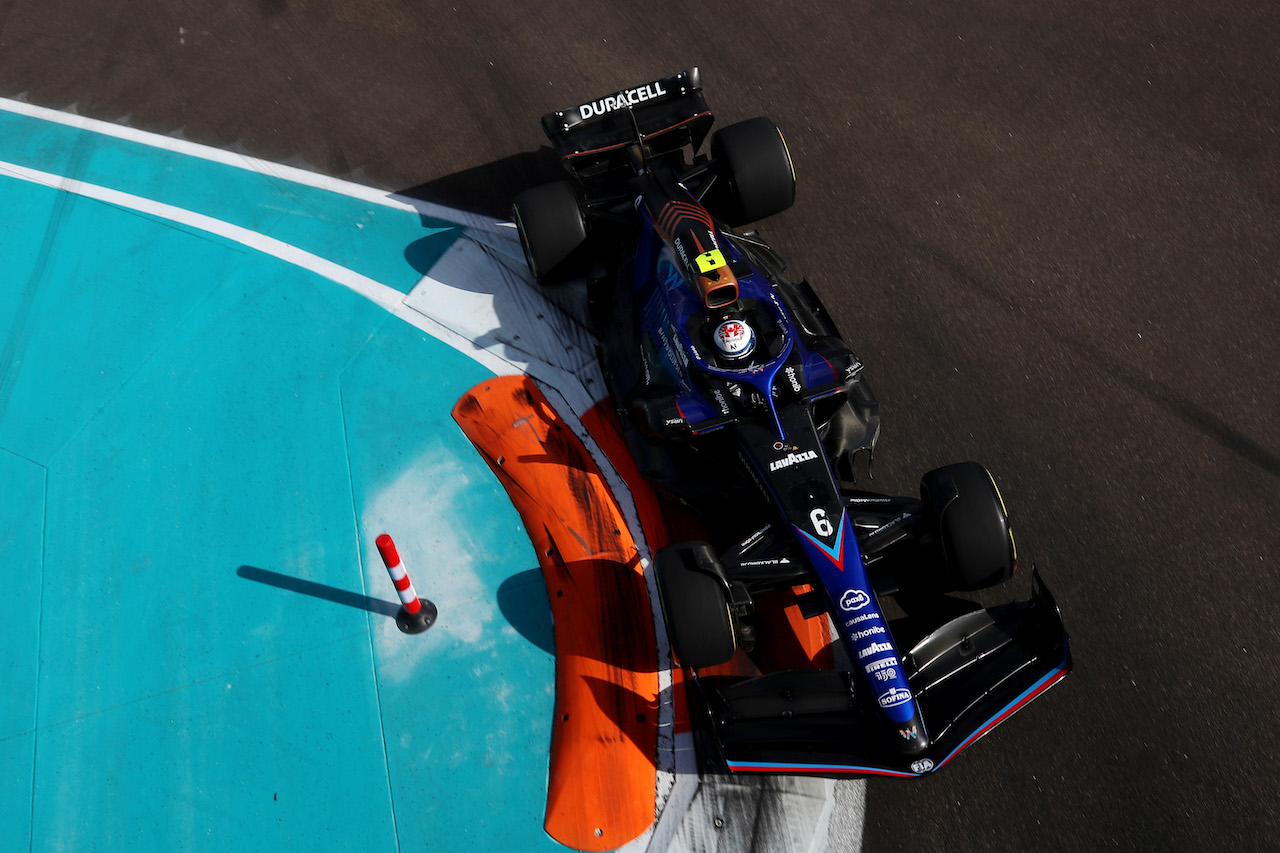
pixel 319 590
pixel 522 598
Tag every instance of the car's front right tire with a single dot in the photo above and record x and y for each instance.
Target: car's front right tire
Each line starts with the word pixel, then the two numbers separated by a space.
pixel 755 164
pixel 972 526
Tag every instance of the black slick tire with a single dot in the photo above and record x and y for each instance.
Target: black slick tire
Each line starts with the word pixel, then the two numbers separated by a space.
pixel 552 231
pixel 695 605
pixel 972 526
pixel 756 167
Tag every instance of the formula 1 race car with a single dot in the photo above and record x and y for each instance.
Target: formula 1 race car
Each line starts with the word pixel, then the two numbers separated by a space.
pixel 740 401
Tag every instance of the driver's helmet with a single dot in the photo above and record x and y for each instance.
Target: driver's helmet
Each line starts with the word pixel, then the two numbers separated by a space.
pixel 734 339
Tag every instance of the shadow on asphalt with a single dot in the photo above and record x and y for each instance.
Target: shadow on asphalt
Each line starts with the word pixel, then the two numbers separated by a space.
pixel 489 189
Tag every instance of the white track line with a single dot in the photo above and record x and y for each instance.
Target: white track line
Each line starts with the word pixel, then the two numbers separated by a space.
pixel 292 174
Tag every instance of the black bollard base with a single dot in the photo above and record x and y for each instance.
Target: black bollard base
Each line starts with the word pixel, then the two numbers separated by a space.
pixel 419 622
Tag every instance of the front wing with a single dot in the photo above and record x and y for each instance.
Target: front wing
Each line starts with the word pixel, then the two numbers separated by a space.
pixel 968 676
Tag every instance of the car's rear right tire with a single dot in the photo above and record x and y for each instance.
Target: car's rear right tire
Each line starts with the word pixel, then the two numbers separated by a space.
pixel 552 231
pixel 695 604
pixel 754 162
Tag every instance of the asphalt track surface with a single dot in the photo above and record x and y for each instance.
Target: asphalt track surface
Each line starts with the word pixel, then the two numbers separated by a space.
pixel 1049 229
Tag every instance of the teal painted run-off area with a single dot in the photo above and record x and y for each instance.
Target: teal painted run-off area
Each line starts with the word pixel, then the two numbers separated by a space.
pixel 199 443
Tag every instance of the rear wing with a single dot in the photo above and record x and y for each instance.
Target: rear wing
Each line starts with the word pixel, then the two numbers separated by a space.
pixel 665 115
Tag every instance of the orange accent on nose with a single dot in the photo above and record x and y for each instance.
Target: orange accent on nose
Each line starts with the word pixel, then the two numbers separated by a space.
pixel 718 292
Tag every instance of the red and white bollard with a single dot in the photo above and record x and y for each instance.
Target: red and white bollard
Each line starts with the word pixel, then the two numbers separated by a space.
pixel 417 614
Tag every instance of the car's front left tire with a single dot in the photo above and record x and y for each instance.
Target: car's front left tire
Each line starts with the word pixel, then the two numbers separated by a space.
pixel 695 604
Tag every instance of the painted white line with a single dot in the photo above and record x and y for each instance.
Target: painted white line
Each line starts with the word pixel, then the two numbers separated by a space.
pixel 291 174
pixel 380 294
pixel 385 297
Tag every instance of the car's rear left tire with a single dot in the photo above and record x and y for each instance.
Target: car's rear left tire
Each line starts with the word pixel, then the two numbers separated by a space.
pixel 552 231
pixel 695 604
pixel 756 167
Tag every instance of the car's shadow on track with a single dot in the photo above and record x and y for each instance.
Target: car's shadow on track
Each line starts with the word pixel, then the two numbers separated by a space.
pixel 488 189
pixel 481 256
pixel 522 598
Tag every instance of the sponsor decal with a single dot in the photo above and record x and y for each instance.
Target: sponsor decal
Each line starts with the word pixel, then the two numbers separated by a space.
pixel 909 733
pixel 755 537
pixel 792 459
pixel 886 675
pixel 778 445
pixel 883 663
pixel 896 696
pixel 879 531
pixel 863 618
pixel 665 339
pixel 791 375
pixel 875 649
pixel 854 599
pixel 622 100
pixel 924 765
pixel 720 400
pixel 747 564
pixel 867 632
pixel 669 274
pixel 852 370
pixel 684 258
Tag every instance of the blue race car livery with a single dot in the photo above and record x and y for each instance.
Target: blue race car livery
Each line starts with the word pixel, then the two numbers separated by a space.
pixel 741 401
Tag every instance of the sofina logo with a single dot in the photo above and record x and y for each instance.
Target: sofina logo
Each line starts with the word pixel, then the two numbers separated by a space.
pixel 854 599
pixel 896 696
